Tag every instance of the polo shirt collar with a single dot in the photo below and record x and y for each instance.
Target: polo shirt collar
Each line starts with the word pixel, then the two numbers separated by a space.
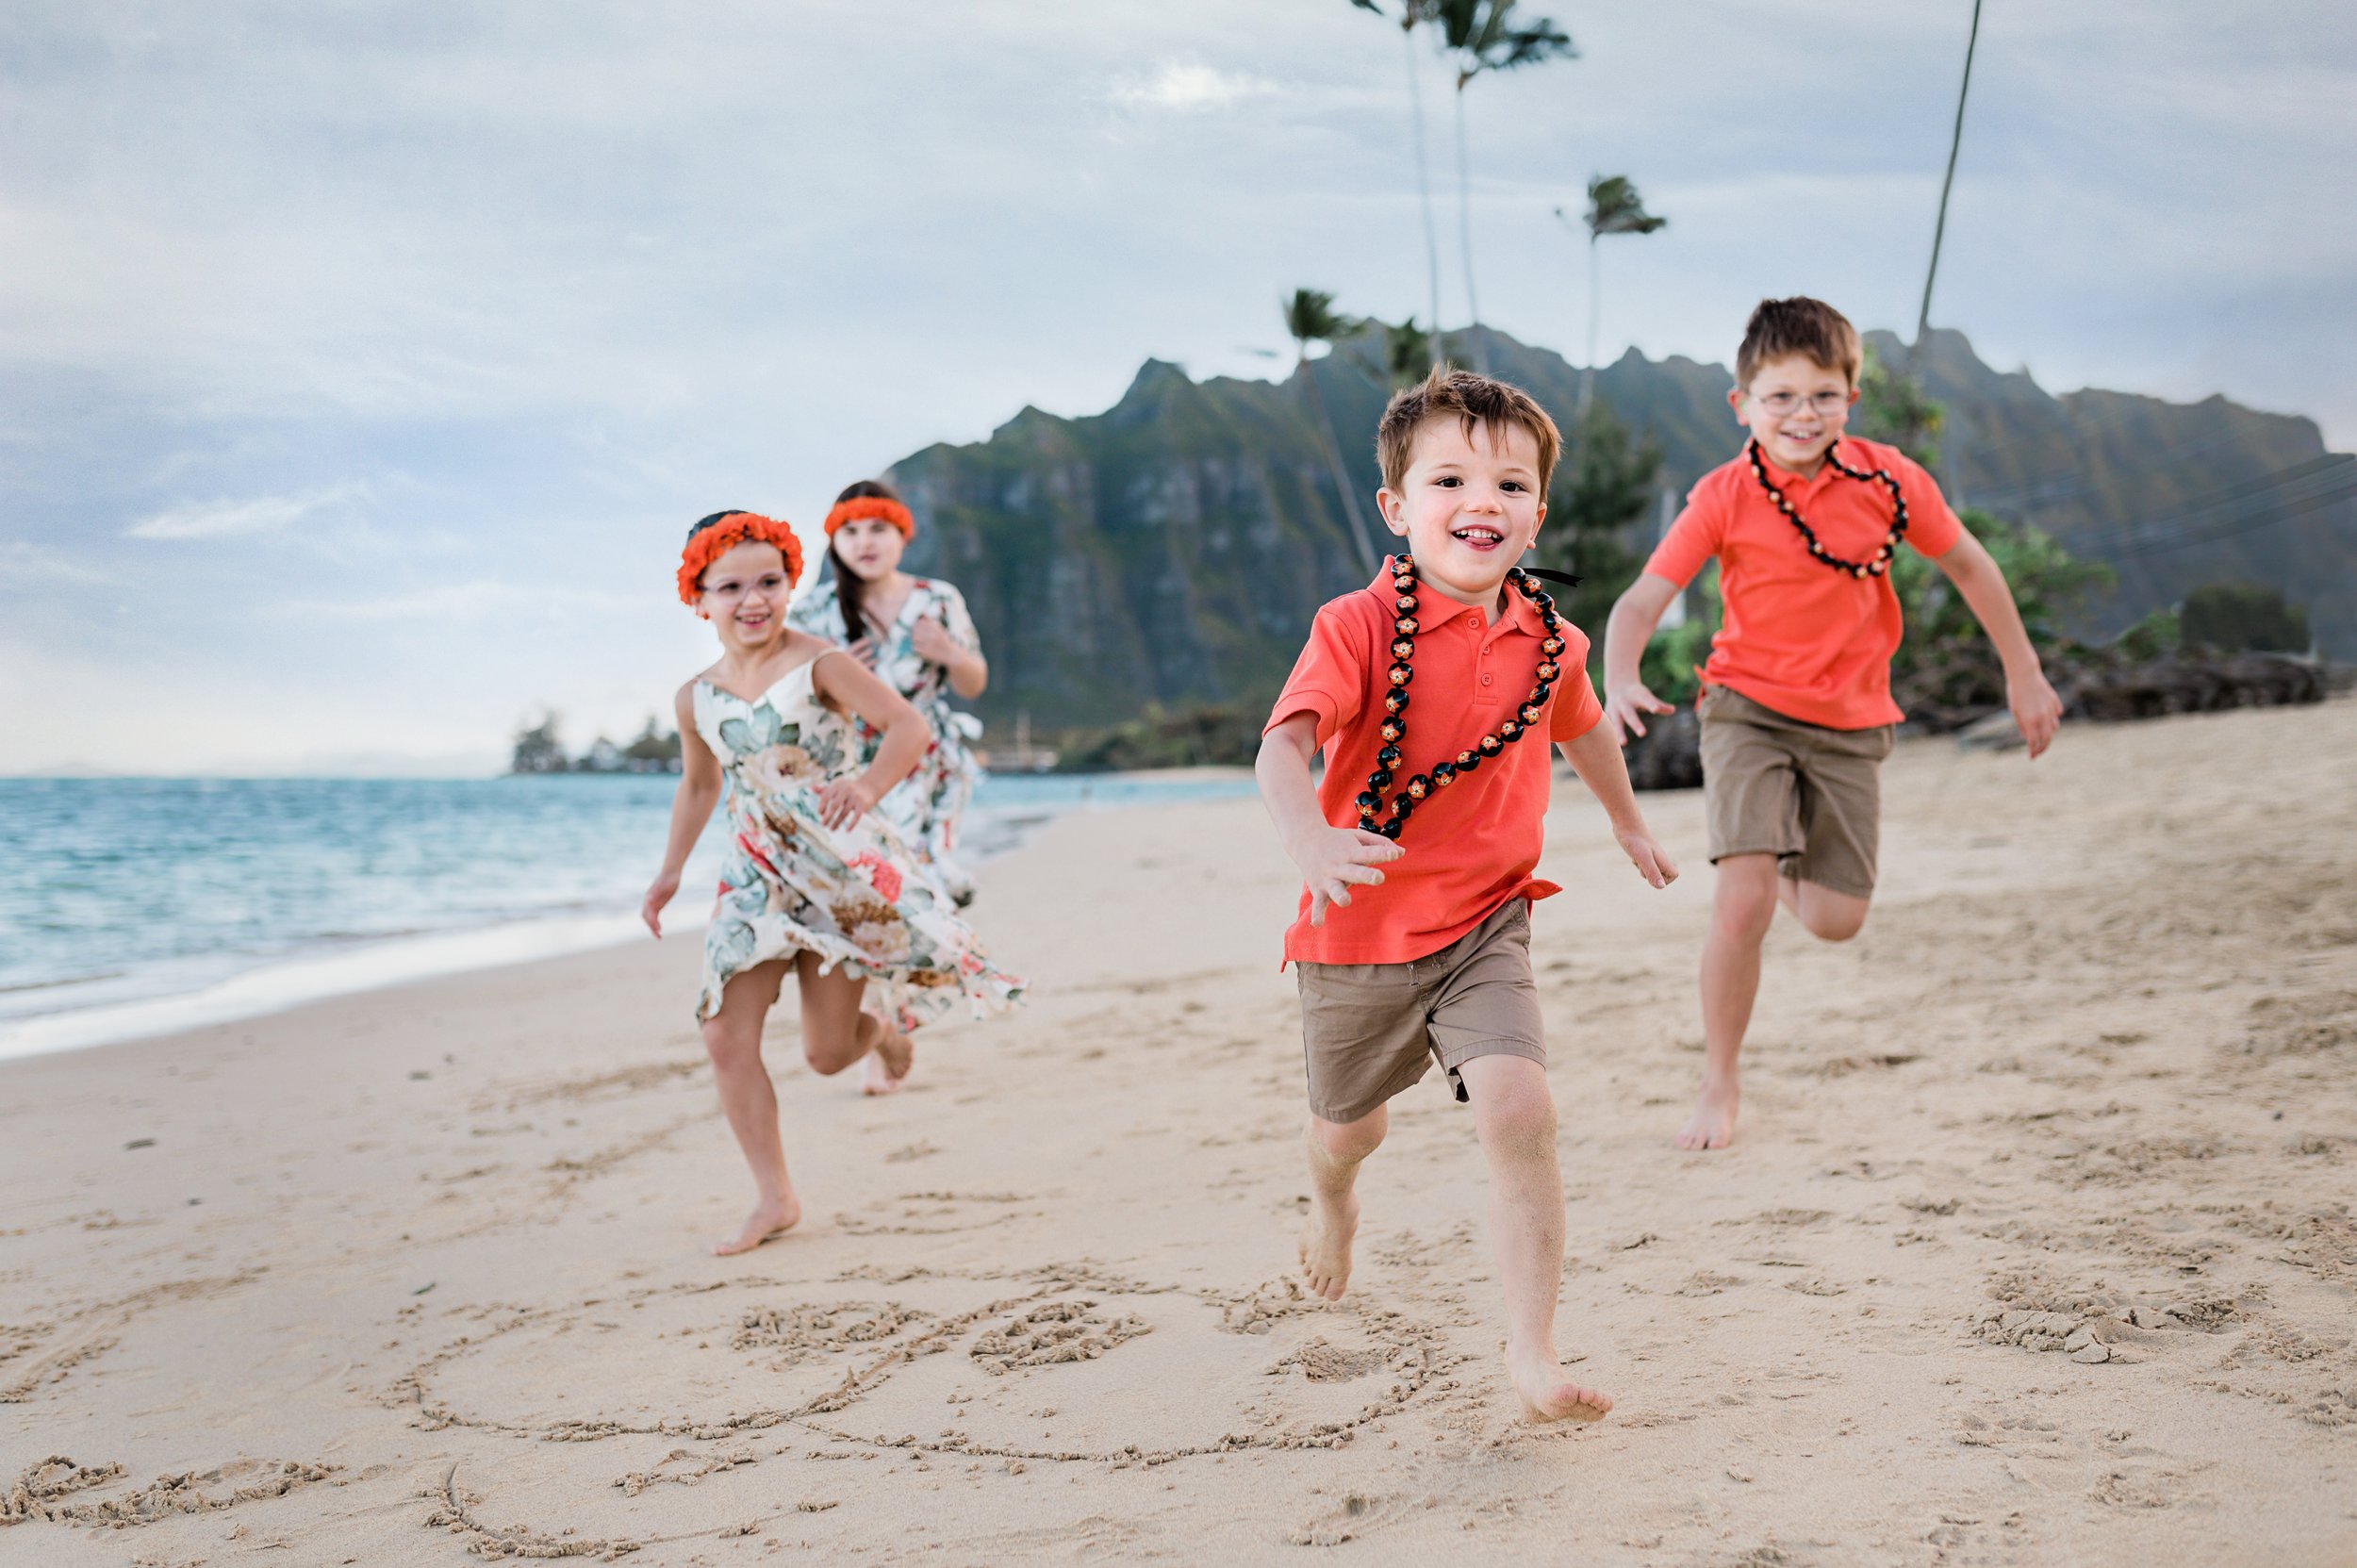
pixel 1433 607
pixel 1784 477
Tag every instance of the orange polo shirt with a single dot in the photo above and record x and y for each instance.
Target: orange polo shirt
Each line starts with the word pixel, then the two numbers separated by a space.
pixel 1812 643
pixel 1473 845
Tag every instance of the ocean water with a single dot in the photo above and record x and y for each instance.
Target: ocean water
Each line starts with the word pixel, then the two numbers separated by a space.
pixel 134 906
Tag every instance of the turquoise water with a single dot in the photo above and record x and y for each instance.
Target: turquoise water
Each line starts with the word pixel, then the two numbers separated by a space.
pixel 115 891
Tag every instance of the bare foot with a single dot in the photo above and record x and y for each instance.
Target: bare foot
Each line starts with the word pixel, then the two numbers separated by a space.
pixel 1713 1125
pixel 771 1217
pixel 1326 1246
pixel 887 1065
pixel 1546 1394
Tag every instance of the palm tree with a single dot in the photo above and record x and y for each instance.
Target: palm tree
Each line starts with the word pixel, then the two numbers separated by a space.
pixel 1413 12
pixel 1311 318
pixel 1956 140
pixel 1483 36
pixel 1614 208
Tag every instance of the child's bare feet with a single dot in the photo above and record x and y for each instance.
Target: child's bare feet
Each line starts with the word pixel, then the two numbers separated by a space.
pixel 1546 1394
pixel 1325 1244
pixel 887 1065
pixel 771 1217
pixel 1713 1125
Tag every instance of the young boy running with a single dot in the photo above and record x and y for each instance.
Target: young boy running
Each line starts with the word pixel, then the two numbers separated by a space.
pixel 1796 710
pixel 1424 688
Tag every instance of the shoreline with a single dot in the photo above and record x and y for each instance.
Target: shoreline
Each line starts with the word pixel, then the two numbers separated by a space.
pixel 317 969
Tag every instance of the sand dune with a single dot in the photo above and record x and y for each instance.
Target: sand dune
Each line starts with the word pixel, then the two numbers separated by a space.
pixel 2037 1247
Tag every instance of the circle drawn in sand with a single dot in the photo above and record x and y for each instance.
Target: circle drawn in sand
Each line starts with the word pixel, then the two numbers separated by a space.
pixel 873 1373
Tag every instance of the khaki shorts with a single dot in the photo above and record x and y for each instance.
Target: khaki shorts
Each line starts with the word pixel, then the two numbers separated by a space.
pixel 1809 795
pixel 1370 1031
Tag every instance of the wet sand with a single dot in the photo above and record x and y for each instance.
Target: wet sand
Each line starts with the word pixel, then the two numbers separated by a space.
pixel 2037 1245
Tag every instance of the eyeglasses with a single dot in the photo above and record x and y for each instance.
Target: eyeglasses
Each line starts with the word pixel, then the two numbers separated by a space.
pixel 1827 405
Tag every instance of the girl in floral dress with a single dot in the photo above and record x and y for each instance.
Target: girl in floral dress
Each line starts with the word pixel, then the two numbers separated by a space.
pixel 814 882
pixel 915 633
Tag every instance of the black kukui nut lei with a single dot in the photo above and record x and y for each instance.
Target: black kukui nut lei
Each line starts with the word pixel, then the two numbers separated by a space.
pixel 1881 563
pixel 1422 787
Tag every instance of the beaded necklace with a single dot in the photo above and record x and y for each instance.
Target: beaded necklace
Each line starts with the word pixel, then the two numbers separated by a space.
pixel 1404 628
pixel 1881 561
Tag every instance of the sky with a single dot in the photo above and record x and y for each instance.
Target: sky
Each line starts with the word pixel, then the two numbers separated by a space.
pixel 361 365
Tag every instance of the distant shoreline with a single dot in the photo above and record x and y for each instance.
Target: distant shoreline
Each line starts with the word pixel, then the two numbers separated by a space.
pixel 145 997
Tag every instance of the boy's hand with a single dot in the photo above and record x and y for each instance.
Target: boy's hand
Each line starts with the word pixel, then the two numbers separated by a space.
pixel 665 889
pixel 1333 860
pixel 844 801
pixel 1622 705
pixel 1651 859
pixel 2036 709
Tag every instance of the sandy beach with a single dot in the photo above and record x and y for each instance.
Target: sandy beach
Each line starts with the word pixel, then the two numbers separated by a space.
pixel 2036 1246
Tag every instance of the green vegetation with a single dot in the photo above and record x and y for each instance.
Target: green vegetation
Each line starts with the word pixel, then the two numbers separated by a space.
pixel 1604 485
pixel 1893 409
pixel 538 749
pixel 1205 734
pixel 2234 618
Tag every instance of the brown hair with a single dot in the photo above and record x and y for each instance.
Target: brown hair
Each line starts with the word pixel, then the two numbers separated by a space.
pixel 849 587
pixel 1779 328
pixel 1475 400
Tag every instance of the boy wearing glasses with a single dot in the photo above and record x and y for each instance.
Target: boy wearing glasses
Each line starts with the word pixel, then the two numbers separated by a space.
pixel 1796 709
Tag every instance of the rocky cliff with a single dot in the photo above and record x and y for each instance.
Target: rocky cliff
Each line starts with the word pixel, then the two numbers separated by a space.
pixel 1174 548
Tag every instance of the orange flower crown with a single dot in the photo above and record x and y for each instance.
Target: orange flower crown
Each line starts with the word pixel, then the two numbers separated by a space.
pixel 872 506
pixel 717 535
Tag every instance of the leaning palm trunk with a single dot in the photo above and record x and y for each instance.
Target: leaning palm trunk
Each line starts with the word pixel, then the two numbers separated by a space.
pixel 1464 239
pixel 1595 316
pixel 1360 537
pixel 1423 191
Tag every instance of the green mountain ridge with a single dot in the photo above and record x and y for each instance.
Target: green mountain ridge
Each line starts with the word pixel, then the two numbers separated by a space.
pixel 1174 548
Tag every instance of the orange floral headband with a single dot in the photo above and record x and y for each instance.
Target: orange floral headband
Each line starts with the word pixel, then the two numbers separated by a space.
pixel 872 506
pixel 723 532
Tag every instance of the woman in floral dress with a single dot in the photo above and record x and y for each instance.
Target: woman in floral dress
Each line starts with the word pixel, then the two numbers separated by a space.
pixel 915 632
pixel 815 880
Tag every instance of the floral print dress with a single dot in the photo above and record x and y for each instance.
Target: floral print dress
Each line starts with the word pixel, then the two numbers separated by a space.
pixel 928 806
pixel 858 896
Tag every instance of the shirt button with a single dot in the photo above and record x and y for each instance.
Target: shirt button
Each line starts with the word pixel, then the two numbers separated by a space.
pixel 1488 680
pixel 1474 622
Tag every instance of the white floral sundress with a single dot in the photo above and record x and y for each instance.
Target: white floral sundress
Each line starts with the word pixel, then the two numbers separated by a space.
pixel 858 896
pixel 928 806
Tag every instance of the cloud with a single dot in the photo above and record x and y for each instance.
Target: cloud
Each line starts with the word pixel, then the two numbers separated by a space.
pixel 222 519
pixel 21 562
pixel 1188 89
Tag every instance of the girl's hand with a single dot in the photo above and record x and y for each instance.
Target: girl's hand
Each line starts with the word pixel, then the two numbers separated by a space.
pixel 932 641
pixel 863 650
pixel 665 889
pixel 1624 703
pixel 844 801
pixel 1651 859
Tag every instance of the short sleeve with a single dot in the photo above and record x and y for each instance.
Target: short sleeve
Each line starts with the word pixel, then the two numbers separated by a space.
pixel 1933 526
pixel 1697 534
pixel 1576 710
pixel 816 613
pixel 1329 680
pixel 955 620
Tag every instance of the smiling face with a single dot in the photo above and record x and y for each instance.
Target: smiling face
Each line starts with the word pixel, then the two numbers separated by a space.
pixel 1468 506
pixel 869 547
pixel 744 596
pixel 1796 409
